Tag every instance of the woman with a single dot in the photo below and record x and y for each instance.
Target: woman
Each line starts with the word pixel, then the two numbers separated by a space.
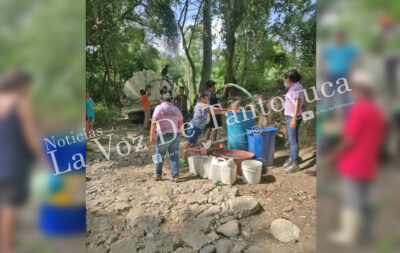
pixel 19 143
pixel 199 122
pixel 293 108
pixel 90 110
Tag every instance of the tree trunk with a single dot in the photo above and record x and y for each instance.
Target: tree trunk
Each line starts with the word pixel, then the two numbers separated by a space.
pixel 207 46
pixel 230 50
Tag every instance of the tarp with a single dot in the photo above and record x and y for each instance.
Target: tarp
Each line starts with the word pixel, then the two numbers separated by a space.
pixel 139 80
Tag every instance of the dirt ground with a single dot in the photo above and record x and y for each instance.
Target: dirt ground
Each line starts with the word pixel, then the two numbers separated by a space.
pixel 121 193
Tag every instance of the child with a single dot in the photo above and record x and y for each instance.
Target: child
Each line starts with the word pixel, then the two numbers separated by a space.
pixel 144 98
pixel 199 122
pixel 90 110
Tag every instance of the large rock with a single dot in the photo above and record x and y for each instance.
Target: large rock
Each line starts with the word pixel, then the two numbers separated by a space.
pixel 243 206
pixel 240 245
pixel 224 246
pixel 284 230
pixel 222 194
pixel 126 245
pixel 208 249
pixel 150 223
pixel 195 239
pixel 164 244
pixel 230 229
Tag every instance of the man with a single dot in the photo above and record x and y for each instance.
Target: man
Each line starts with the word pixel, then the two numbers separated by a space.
pixel 181 102
pixel 213 99
pixel 144 98
pixel 167 121
pixel 357 156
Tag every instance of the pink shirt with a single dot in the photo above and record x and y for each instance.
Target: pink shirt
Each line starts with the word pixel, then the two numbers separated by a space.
pixel 365 125
pixel 294 92
pixel 168 116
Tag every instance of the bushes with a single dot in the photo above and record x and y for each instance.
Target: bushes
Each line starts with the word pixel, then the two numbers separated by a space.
pixel 102 117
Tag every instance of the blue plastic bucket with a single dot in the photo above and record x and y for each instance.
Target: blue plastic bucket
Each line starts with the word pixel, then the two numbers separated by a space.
pixel 261 142
pixel 236 124
pixel 62 220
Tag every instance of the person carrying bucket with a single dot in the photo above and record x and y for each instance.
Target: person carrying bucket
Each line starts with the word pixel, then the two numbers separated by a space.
pixel 201 111
pixel 293 108
pixel 213 99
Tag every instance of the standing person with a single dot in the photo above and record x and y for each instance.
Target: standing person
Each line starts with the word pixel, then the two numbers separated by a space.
pixel 144 98
pixel 90 110
pixel 181 101
pixel 357 157
pixel 20 143
pixel 338 61
pixel 165 93
pixel 201 111
pixel 167 121
pixel 213 99
pixel 293 108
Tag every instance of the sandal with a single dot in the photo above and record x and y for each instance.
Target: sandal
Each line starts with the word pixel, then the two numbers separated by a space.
pixel 157 178
pixel 175 179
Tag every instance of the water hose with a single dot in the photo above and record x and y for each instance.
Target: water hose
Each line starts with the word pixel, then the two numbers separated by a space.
pixel 245 92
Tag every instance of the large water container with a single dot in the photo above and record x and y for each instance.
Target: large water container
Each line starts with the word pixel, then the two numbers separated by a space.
pixel 236 124
pixel 261 142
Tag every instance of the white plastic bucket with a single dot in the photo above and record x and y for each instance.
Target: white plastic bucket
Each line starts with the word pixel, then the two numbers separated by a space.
pixel 195 165
pixel 251 171
pixel 228 172
pixel 205 166
pixel 217 163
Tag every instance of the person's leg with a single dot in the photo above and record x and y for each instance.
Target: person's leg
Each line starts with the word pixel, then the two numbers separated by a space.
pixel 7 228
pixel 366 212
pixel 298 122
pixel 146 118
pixel 173 151
pixel 91 123
pixel 161 149
pixel 208 132
pixel 292 141
pixel 186 147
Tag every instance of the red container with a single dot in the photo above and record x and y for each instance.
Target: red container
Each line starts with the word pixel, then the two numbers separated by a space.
pixel 237 155
pixel 196 150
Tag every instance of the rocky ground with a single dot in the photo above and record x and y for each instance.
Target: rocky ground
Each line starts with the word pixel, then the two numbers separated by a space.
pixel 127 211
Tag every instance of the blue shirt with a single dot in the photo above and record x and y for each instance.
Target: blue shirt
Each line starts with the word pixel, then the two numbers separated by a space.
pixel 339 59
pixel 200 116
pixel 89 105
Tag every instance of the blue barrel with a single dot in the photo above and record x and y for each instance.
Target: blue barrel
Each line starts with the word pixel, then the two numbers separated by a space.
pixel 261 142
pixel 62 220
pixel 236 124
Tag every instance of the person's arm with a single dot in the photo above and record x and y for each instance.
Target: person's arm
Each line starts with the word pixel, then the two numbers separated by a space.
pixel 30 129
pixel 180 123
pixel 343 145
pixel 153 129
pixel 296 111
pixel 218 110
pixel 224 91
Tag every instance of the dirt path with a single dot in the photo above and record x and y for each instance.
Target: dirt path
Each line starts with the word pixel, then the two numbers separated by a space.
pixel 127 211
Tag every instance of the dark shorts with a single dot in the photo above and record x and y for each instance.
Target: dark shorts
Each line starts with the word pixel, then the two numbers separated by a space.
pixel 13 193
pixel 212 125
pixel 193 134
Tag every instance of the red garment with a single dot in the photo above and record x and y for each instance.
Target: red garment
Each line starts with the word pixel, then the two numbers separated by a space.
pixel 145 101
pixel 365 125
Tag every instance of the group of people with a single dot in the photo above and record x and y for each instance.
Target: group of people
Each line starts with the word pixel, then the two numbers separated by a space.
pixel 168 119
